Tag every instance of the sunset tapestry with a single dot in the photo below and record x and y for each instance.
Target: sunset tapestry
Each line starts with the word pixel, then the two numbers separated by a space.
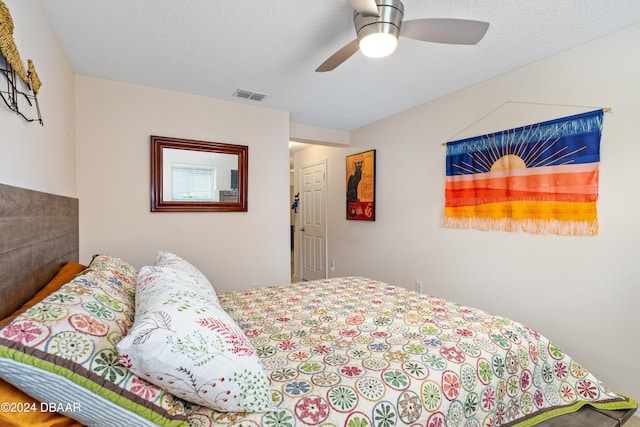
pixel 539 178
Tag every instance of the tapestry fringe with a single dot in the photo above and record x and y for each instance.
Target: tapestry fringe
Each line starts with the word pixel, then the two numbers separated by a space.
pixel 535 226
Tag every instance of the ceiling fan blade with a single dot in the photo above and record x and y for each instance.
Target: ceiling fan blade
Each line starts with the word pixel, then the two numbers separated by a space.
pixel 445 30
pixel 339 57
pixel 365 7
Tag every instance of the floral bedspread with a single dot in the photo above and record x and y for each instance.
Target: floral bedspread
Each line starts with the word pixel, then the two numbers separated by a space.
pixel 357 352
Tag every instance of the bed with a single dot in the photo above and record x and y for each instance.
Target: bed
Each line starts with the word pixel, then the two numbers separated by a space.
pixel 111 345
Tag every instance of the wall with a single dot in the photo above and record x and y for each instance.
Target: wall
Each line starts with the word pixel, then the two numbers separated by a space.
pixel 33 156
pixel 582 292
pixel 234 249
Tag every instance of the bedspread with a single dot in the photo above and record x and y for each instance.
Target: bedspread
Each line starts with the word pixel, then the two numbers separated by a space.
pixel 358 352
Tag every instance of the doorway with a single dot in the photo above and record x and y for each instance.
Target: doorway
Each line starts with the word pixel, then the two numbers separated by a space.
pixel 313 221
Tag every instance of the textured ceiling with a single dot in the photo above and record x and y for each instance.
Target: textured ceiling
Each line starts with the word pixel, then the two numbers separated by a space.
pixel 212 47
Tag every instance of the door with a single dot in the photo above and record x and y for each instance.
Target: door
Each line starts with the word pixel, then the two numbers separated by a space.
pixel 313 227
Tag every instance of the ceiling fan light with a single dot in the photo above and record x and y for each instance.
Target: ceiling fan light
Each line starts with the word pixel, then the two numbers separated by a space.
pixel 378 45
pixel 378 35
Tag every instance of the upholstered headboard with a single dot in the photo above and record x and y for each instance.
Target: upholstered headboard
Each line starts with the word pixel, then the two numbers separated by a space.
pixel 38 234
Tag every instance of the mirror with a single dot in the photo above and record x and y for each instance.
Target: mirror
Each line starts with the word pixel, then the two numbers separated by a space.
pixel 198 176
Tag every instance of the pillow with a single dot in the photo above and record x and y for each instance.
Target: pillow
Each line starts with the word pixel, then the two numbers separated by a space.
pixel 184 342
pixel 173 261
pixel 119 270
pixel 63 276
pixel 34 415
pixel 62 352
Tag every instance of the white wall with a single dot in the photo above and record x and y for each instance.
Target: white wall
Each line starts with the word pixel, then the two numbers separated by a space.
pixel 234 249
pixel 582 292
pixel 32 156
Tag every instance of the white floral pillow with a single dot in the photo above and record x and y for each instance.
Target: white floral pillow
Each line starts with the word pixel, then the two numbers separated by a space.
pixel 184 342
pixel 180 265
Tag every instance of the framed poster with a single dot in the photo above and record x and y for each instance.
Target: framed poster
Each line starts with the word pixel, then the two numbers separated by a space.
pixel 361 186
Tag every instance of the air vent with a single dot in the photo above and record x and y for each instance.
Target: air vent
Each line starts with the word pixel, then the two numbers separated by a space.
pixel 247 94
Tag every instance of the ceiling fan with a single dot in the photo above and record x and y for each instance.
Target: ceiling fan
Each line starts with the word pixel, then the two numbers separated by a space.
pixel 379 24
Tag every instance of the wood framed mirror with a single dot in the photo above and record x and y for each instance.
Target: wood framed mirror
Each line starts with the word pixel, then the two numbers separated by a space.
pixel 198 176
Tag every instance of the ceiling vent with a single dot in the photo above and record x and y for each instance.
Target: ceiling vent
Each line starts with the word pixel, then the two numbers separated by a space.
pixel 247 94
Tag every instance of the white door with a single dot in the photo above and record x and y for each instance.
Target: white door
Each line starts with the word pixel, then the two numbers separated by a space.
pixel 313 224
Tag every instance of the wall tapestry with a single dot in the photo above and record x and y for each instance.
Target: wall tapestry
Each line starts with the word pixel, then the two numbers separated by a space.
pixel 539 178
pixel 361 186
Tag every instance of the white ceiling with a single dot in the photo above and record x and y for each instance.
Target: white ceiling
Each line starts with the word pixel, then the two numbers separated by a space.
pixel 212 47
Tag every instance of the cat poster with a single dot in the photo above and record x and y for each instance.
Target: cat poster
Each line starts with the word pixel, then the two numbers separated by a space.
pixel 361 186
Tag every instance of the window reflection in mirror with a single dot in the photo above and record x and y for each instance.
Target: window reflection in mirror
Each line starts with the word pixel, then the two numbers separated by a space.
pixel 188 175
pixel 197 176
